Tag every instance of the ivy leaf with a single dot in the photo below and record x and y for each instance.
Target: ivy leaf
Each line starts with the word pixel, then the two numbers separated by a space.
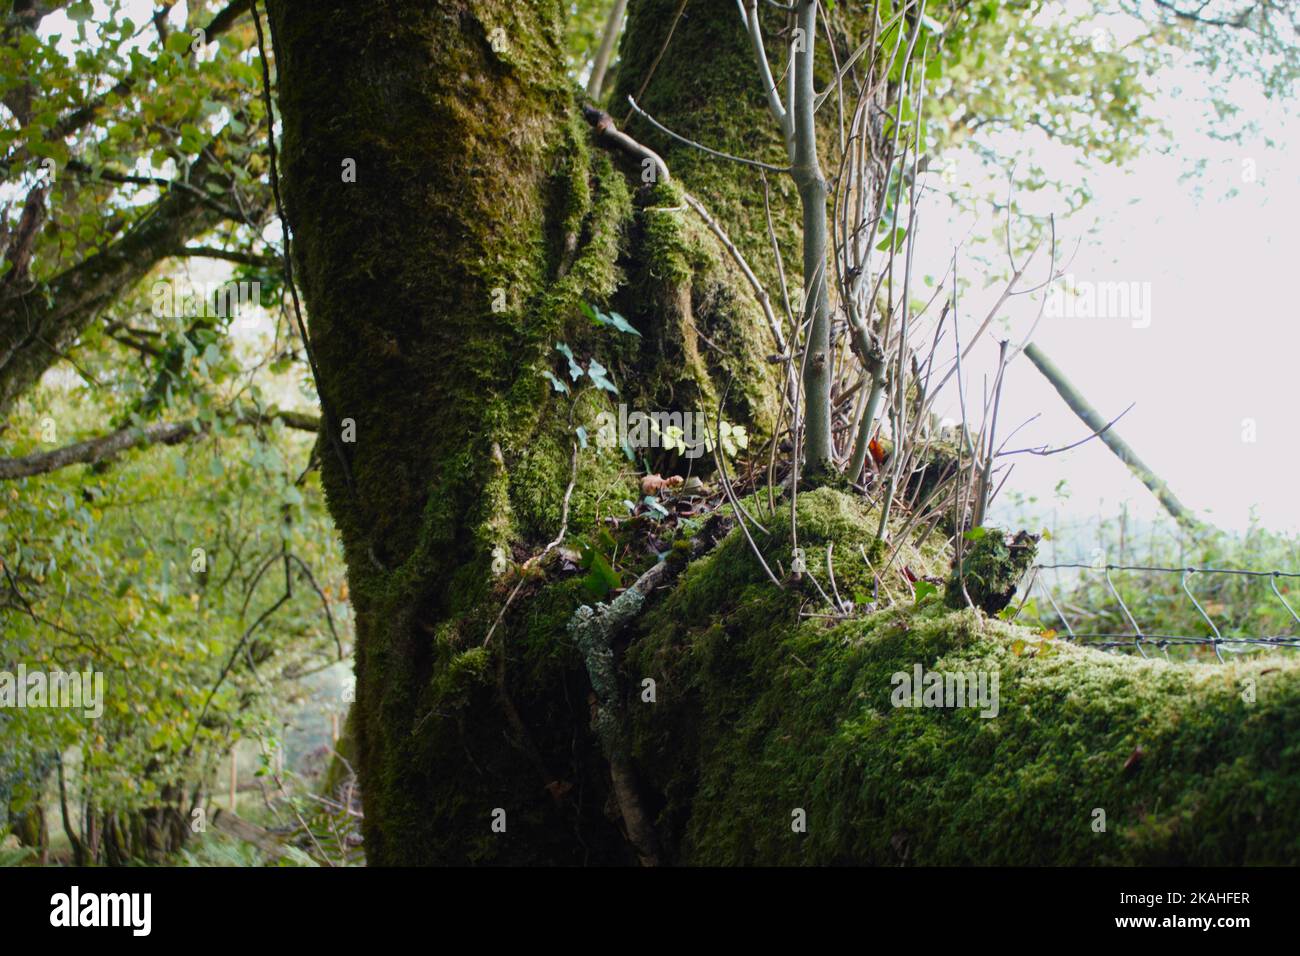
pixel 612 318
pixel 733 437
pixel 601 577
pixel 599 377
pixel 622 324
pixel 556 383
pixel 575 370
pixel 655 506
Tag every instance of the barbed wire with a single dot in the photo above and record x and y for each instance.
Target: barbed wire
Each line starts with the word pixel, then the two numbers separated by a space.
pixel 1136 638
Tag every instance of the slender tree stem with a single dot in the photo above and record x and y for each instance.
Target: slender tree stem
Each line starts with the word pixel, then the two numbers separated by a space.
pixel 819 447
pixel 612 26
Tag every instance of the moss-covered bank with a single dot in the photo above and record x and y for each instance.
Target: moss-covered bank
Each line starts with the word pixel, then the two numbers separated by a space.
pixel 759 714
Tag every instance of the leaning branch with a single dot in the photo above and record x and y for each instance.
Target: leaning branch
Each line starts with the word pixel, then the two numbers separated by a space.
pixel 1101 427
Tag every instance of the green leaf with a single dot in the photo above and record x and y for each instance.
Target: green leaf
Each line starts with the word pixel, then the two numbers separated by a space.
pixel 601 577
pixel 600 378
pixel 974 534
pixel 896 240
pixel 575 370
pixel 556 383
pixel 622 324
pixel 923 590
pixel 179 42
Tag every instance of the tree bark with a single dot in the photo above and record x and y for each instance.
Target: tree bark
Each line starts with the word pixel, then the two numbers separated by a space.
pixel 432 338
pixel 434 288
pixel 818 445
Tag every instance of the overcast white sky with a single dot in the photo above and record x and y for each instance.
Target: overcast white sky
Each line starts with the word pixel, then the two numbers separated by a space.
pixel 1219 252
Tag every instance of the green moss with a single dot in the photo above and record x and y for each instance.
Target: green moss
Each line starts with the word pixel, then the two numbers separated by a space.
pixel 702 326
pixel 473 177
pixel 722 107
pixel 666 252
pixel 435 285
pixel 706 89
pixel 990 569
pixel 459 675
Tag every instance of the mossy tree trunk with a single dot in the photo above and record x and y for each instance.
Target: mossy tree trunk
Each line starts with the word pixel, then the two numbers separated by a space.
pixel 454 114
pixel 437 281
pixel 437 284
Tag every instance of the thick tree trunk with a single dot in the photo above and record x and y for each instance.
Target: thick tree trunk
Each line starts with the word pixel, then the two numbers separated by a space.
pixel 437 283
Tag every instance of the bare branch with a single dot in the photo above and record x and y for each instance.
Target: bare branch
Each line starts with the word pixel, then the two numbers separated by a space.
pixel 704 149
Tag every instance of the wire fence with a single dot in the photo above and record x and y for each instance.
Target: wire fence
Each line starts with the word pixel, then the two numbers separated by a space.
pixel 1130 635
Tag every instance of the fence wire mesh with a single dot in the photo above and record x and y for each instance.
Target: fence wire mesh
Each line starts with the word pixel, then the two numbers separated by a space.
pixel 1109 622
